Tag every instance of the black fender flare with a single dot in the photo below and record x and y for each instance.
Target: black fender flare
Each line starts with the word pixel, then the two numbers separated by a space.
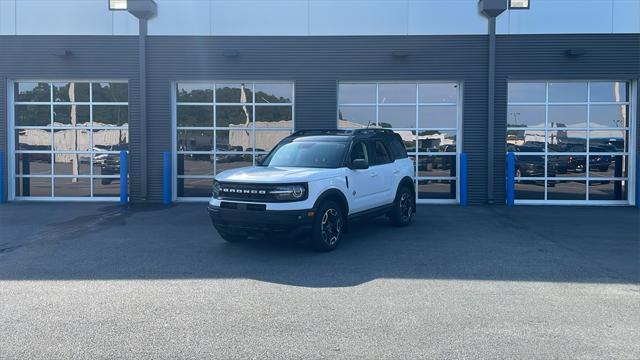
pixel 333 192
pixel 408 182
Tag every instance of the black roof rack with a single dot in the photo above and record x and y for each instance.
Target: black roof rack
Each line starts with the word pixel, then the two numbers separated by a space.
pixel 365 131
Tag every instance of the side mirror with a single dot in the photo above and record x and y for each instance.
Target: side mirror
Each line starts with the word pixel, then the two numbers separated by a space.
pixel 260 159
pixel 359 164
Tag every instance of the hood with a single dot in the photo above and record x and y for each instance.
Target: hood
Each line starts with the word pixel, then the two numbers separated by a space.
pixel 267 174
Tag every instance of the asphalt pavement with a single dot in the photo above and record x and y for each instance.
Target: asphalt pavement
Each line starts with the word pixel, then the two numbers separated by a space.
pixel 94 280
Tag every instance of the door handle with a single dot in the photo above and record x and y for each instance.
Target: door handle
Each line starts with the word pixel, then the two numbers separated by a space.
pixel 373 174
pixel 395 171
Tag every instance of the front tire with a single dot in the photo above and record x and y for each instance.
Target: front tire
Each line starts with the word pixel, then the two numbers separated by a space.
pixel 328 227
pixel 403 207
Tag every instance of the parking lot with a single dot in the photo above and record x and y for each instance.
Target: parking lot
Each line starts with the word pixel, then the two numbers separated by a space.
pixel 98 280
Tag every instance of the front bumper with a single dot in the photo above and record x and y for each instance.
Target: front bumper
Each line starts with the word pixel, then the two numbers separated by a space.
pixel 243 221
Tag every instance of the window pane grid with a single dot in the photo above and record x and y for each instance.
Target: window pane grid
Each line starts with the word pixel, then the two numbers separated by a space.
pixel 417 136
pixel 81 185
pixel 198 167
pixel 572 175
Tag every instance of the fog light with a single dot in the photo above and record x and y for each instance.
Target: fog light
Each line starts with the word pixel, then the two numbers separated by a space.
pixel 311 213
pixel 299 217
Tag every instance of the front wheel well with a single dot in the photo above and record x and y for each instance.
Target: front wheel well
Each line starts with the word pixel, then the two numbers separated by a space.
pixel 336 196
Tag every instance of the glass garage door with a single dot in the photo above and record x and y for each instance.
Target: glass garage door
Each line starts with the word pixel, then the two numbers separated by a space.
pixel 225 125
pixel 425 114
pixel 572 141
pixel 67 137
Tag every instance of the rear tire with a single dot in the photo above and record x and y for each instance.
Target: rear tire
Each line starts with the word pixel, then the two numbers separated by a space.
pixel 328 227
pixel 403 207
pixel 232 238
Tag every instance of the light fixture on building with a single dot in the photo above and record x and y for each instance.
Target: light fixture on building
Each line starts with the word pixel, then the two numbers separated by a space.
pixel 118 4
pixel 518 4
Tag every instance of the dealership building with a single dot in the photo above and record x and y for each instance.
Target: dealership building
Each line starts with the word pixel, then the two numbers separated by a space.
pixel 217 83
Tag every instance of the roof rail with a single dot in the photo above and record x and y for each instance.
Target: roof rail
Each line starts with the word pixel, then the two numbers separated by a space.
pixel 309 132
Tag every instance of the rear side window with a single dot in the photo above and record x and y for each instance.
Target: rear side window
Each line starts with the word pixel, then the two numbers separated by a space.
pixel 397 148
pixel 378 152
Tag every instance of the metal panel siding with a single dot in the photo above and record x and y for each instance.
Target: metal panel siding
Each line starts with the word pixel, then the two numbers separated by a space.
pixel 94 57
pixel 541 57
pixel 316 65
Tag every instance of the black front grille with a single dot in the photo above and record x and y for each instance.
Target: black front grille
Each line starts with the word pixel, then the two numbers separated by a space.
pixel 247 192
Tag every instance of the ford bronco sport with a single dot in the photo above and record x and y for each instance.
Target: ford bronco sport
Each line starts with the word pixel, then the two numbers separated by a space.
pixel 313 183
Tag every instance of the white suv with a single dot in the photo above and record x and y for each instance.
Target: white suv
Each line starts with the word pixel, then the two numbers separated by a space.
pixel 314 182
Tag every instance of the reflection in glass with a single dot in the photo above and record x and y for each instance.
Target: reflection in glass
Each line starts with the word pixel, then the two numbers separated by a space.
pixel 608 190
pixel 436 189
pixel 444 165
pixel 234 116
pixel 72 115
pixel 195 140
pixel 567 92
pixel 234 93
pixel 32 92
pixel 526 92
pixel 71 164
pixel 397 116
pixel 33 164
pixel 611 116
pixel 233 161
pixel 529 190
pixel 566 140
pixel 274 116
pixel 437 116
pixel 605 165
pixel 568 116
pixel 532 140
pixel 353 117
pixel 234 140
pixel 267 140
pixel 274 93
pixel 194 116
pixel 32 115
pixel 33 186
pixel 194 187
pixel 608 141
pixel 106 187
pixel 609 91
pixel 396 93
pixel 110 139
pixel 529 166
pixel 437 141
pixel 195 164
pixel 526 116
pixel 567 165
pixel 566 190
pixel 110 115
pixel 71 187
pixel 357 93
pixel 194 92
pixel 110 92
pixel 71 140
pixel 33 139
pixel 106 164
pixel 438 93
pixel 409 138
pixel 70 92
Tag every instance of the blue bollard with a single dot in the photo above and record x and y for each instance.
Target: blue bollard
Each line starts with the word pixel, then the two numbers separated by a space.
pixel 124 179
pixel 166 178
pixel 511 171
pixel 2 199
pixel 463 179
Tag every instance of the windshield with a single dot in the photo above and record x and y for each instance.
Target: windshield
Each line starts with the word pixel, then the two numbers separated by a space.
pixel 307 154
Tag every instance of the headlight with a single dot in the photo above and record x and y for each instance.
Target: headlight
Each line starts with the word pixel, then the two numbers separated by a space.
pixel 216 189
pixel 293 192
